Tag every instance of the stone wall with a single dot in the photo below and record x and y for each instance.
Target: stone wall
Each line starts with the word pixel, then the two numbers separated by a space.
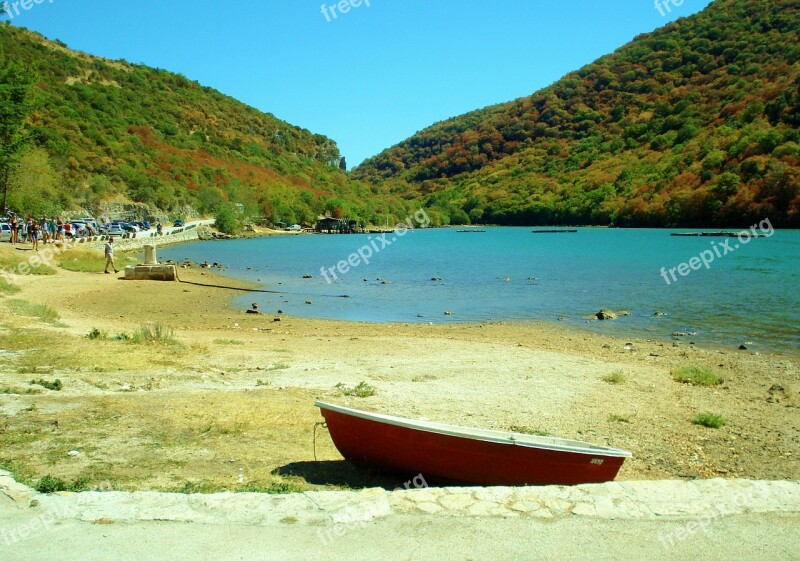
pixel 174 237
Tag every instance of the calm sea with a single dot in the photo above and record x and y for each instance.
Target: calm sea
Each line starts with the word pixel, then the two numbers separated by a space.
pixel 749 295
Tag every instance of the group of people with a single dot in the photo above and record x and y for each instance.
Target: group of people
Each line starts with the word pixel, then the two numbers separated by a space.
pixel 47 230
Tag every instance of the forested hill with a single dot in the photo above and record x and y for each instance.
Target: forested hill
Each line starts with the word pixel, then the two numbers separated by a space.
pixel 110 130
pixel 693 124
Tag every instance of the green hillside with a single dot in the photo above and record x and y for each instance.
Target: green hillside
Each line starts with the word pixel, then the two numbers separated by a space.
pixel 694 124
pixel 108 130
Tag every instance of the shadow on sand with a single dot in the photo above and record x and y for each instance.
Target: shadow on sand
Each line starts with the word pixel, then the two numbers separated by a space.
pixel 343 474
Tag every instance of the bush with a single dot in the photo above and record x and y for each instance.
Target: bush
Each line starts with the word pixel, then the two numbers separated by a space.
pixel 55 385
pixel 96 334
pixel 616 377
pixel 696 376
pixel 226 219
pixel 710 420
pixel 50 484
pixel 363 389
pixel 155 333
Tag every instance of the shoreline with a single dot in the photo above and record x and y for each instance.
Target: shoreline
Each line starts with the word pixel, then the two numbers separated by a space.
pixel 229 385
pixel 756 330
pixel 569 324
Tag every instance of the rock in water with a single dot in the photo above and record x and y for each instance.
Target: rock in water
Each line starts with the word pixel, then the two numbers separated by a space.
pixel 605 315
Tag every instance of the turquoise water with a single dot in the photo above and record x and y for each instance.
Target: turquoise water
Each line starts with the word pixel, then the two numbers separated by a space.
pixel 749 295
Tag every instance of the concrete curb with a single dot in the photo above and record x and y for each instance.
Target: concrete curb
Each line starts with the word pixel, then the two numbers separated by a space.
pixel 629 500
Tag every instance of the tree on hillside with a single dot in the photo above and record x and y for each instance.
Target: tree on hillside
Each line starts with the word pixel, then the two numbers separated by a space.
pixel 33 185
pixel 16 92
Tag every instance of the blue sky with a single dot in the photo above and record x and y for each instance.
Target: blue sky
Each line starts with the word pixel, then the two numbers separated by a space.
pixel 368 78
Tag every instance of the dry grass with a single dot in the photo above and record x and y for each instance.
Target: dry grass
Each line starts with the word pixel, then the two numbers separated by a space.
pixel 172 442
pixel 39 348
pixel 82 260
pixel 616 377
pixel 42 312
pixel 8 288
pixel 12 257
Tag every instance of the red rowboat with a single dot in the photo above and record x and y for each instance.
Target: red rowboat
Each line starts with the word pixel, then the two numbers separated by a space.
pixel 466 455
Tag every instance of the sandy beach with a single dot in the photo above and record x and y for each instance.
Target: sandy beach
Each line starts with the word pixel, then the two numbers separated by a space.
pixel 228 400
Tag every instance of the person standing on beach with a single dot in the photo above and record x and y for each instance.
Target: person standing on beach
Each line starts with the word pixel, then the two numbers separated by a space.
pixel 43 230
pixel 33 232
pixel 110 255
pixel 14 229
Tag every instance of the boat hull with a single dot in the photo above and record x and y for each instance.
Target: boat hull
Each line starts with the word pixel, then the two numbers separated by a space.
pixel 405 450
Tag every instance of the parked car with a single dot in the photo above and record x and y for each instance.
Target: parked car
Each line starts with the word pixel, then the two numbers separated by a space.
pixel 5 231
pixel 78 229
pixel 130 227
pixel 178 224
pixel 114 230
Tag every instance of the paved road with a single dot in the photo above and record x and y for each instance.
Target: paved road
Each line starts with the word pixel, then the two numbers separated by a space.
pixel 671 520
pixel 410 537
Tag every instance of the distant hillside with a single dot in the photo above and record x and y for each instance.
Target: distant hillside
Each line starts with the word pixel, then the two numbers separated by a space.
pixel 694 124
pixel 110 130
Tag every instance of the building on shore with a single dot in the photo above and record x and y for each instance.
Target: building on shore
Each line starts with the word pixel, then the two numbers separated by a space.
pixel 330 225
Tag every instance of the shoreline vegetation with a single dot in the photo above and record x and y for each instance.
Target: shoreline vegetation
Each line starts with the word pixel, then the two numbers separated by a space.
pixel 185 394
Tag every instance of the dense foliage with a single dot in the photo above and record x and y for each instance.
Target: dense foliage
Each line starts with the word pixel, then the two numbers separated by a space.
pixel 107 130
pixel 694 124
pixel 226 219
pixel 16 85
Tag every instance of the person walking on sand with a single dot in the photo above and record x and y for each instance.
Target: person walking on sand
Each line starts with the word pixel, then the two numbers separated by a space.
pixel 110 255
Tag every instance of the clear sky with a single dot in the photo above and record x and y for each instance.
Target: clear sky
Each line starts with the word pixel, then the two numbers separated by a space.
pixel 368 78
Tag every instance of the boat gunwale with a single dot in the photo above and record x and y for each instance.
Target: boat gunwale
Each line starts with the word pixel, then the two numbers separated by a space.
pixel 483 435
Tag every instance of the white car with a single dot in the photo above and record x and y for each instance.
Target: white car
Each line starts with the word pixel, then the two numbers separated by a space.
pixel 5 230
pixel 115 230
